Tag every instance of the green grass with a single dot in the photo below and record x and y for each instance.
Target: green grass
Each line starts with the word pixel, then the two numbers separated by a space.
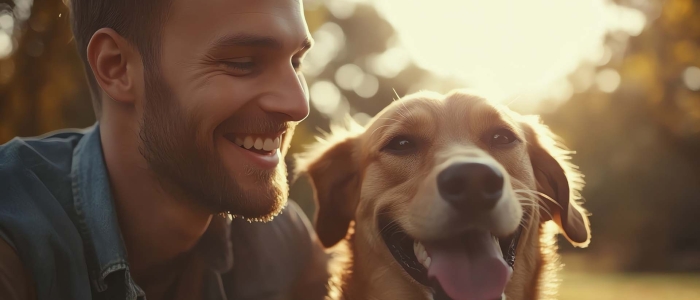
pixel 619 286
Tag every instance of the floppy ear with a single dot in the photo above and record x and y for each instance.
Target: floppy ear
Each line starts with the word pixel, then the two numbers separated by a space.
pixel 334 176
pixel 558 179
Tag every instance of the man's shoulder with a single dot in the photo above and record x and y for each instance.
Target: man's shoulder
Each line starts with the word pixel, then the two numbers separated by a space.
pixel 34 173
pixel 35 193
pixel 54 148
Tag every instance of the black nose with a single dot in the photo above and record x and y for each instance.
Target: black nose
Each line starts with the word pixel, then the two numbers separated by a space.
pixel 471 186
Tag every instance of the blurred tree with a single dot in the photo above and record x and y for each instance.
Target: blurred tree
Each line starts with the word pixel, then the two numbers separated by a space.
pixel 640 146
pixel 42 86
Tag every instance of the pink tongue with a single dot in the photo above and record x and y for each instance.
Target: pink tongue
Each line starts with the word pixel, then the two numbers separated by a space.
pixel 471 268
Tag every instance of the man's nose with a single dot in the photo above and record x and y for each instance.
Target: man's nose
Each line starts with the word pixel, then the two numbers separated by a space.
pixel 289 96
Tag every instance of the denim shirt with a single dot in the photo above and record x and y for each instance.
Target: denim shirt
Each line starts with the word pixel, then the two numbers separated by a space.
pixel 57 212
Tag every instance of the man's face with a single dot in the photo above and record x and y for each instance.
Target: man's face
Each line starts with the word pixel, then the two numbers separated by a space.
pixel 227 80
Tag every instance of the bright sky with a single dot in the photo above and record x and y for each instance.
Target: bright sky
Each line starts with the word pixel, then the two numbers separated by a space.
pixel 507 48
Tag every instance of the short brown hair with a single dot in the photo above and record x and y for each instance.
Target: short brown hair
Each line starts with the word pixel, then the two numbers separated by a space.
pixel 139 21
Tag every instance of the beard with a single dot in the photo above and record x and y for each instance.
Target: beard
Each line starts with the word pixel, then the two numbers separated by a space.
pixel 188 166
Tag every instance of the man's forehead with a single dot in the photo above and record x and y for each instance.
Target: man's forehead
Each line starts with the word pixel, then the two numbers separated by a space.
pixel 241 6
pixel 223 14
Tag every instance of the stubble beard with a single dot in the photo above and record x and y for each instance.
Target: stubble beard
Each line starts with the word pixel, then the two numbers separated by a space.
pixel 188 166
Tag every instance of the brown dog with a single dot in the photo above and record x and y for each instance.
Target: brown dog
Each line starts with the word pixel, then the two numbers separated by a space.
pixel 432 183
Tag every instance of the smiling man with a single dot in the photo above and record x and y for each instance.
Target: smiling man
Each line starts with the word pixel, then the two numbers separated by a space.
pixel 196 103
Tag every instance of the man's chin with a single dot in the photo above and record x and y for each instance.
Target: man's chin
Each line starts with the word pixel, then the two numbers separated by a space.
pixel 258 205
pixel 262 194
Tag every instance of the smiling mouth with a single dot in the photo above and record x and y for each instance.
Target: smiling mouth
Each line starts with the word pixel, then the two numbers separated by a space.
pixel 468 266
pixel 260 144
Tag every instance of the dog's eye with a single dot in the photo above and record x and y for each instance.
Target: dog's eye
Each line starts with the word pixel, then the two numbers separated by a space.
pixel 502 137
pixel 400 145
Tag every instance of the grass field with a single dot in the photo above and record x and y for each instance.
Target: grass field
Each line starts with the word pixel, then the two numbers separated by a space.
pixel 617 286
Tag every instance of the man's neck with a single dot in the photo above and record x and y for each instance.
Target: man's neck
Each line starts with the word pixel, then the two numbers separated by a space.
pixel 156 226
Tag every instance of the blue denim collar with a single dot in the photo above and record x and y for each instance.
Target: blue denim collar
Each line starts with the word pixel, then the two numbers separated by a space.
pixel 96 215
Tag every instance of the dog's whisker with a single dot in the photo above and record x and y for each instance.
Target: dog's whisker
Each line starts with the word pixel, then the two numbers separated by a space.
pixel 375 130
pixel 537 193
pixel 545 209
pixel 391 225
pixel 530 202
pixel 398 111
pixel 514 99
pixel 408 112
pixel 397 95
pixel 390 119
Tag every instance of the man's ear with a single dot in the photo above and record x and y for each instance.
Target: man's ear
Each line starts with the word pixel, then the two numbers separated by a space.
pixel 559 180
pixel 334 176
pixel 114 63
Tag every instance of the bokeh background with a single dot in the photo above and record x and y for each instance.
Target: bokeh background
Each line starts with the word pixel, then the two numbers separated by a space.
pixel 618 80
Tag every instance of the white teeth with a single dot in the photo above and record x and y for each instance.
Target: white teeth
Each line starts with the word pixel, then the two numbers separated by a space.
pixel 421 254
pixel 268 145
pixel 258 144
pixel 248 142
pixel 498 245
pixel 426 262
pixel 265 144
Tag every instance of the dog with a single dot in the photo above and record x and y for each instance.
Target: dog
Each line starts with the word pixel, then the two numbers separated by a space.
pixel 425 201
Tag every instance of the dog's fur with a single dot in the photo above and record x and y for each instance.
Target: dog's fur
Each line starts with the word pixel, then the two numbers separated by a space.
pixel 354 180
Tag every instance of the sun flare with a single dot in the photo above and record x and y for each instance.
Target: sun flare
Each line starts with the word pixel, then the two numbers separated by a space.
pixel 508 47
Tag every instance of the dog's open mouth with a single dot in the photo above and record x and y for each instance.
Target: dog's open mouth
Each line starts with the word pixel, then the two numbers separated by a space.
pixel 466 267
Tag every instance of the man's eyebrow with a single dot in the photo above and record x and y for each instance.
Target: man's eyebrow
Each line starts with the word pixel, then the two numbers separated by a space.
pixel 246 40
pixel 252 40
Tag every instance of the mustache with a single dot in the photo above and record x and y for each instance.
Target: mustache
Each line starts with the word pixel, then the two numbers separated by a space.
pixel 256 125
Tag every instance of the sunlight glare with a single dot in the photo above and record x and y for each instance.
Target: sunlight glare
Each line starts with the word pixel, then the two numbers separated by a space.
pixel 608 80
pixel 691 78
pixel 329 40
pixel 508 47
pixel 347 75
pixel 325 97
pixel 5 44
pixel 361 118
pixel 7 22
pixel 367 86
pixel 390 63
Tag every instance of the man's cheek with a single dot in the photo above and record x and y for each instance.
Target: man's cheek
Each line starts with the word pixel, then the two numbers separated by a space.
pixel 228 94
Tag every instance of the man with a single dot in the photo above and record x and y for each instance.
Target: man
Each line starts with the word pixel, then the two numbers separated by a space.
pixel 196 103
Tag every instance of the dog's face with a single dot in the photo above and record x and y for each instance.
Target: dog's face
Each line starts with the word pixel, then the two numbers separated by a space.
pixel 438 179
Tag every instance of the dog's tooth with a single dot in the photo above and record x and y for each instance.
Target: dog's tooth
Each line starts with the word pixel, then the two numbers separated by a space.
pixel 238 141
pixel 426 262
pixel 268 145
pixel 498 245
pixel 258 144
pixel 276 143
pixel 418 249
pixel 248 142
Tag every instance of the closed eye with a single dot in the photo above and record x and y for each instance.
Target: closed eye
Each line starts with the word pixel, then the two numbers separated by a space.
pixel 244 66
pixel 239 66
